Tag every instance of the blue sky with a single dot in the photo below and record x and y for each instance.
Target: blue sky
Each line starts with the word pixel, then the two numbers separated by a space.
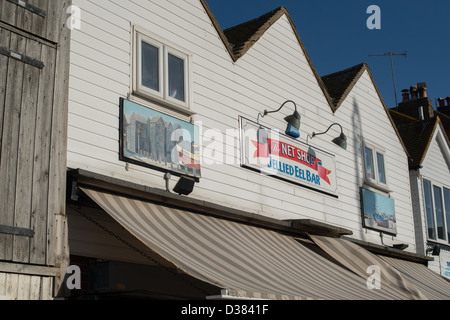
pixel 336 37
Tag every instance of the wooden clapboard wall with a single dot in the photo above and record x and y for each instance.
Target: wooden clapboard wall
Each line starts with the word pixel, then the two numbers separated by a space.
pixel 34 50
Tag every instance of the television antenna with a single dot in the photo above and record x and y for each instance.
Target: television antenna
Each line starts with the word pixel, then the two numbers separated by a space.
pixel 391 54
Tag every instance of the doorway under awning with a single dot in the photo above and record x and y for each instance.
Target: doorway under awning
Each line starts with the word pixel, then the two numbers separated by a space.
pixel 240 260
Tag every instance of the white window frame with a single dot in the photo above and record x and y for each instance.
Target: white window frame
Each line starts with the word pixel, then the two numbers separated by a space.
pixel 433 204
pixel 165 48
pixel 375 181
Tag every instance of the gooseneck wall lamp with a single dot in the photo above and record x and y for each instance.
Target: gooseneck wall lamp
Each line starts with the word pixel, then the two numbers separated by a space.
pixel 341 141
pixel 293 121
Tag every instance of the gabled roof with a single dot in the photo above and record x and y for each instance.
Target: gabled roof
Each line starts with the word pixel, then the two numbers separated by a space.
pixel 239 39
pixel 416 135
pixel 340 84
pixel 445 119
pixel 243 36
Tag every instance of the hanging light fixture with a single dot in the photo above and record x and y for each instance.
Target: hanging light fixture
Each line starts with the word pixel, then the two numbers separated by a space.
pixel 341 141
pixel 293 121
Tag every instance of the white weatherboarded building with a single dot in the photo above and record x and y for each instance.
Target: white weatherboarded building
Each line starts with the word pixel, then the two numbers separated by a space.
pixel 171 57
pixel 424 130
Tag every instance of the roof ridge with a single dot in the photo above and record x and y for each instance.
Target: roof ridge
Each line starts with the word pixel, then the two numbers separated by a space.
pixel 416 136
pixel 358 67
pixel 270 13
pixel 242 36
pixel 340 83
pixel 237 52
pixel 402 115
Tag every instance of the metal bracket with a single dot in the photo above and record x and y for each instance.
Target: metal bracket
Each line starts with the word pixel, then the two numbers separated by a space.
pixel 23 58
pixel 17 231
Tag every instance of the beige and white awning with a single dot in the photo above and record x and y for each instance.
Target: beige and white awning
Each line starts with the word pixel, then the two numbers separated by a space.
pixel 241 260
pixel 362 262
pixel 430 283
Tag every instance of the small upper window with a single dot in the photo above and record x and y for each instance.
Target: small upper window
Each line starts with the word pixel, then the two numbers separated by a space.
pixel 162 72
pixel 437 210
pixel 374 166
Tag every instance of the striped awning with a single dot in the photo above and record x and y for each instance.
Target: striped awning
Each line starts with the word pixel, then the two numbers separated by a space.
pixel 241 260
pixel 433 285
pixel 365 263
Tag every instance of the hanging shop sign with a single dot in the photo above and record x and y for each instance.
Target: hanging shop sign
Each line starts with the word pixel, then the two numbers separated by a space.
pixel 378 212
pixel 271 153
pixel 156 140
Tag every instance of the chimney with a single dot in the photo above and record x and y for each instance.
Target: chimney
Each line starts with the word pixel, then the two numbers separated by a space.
pixel 405 95
pixel 416 103
pixel 413 91
pixel 445 109
pixel 422 88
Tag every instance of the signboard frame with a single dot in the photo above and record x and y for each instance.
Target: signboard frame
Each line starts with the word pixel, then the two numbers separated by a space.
pixel 293 161
pixel 378 212
pixel 155 140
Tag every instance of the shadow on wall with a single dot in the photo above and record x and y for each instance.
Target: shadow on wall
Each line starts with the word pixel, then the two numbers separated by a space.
pixel 357 138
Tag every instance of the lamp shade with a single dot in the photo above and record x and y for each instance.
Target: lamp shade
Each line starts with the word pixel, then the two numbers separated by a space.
pixel 184 186
pixel 294 120
pixel 341 141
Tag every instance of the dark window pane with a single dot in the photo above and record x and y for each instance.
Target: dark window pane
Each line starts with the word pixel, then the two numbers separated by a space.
pixel 368 157
pixel 150 66
pixel 381 171
pixel 176 78
pixel 429 209
pixel 447 210
pixel 439 212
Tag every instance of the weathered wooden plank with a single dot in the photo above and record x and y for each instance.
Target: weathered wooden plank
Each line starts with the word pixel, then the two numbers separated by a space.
pixel 8 12
pixel 55 11
pixel 5 37
pixel 41 158
pixel 58 147
pixel 12 286
pixel 23 292
pixel 46 288
pixel 35 287
pixel 3 285
pixel 29 6
pixel 25 152
pixel 28 16
pixel 10 140
pixel 40 21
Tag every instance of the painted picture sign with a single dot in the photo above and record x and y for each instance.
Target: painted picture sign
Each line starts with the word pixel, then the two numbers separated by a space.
pixel 445 265
pixel 378 212
pixel 280 156
pixel 159 141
